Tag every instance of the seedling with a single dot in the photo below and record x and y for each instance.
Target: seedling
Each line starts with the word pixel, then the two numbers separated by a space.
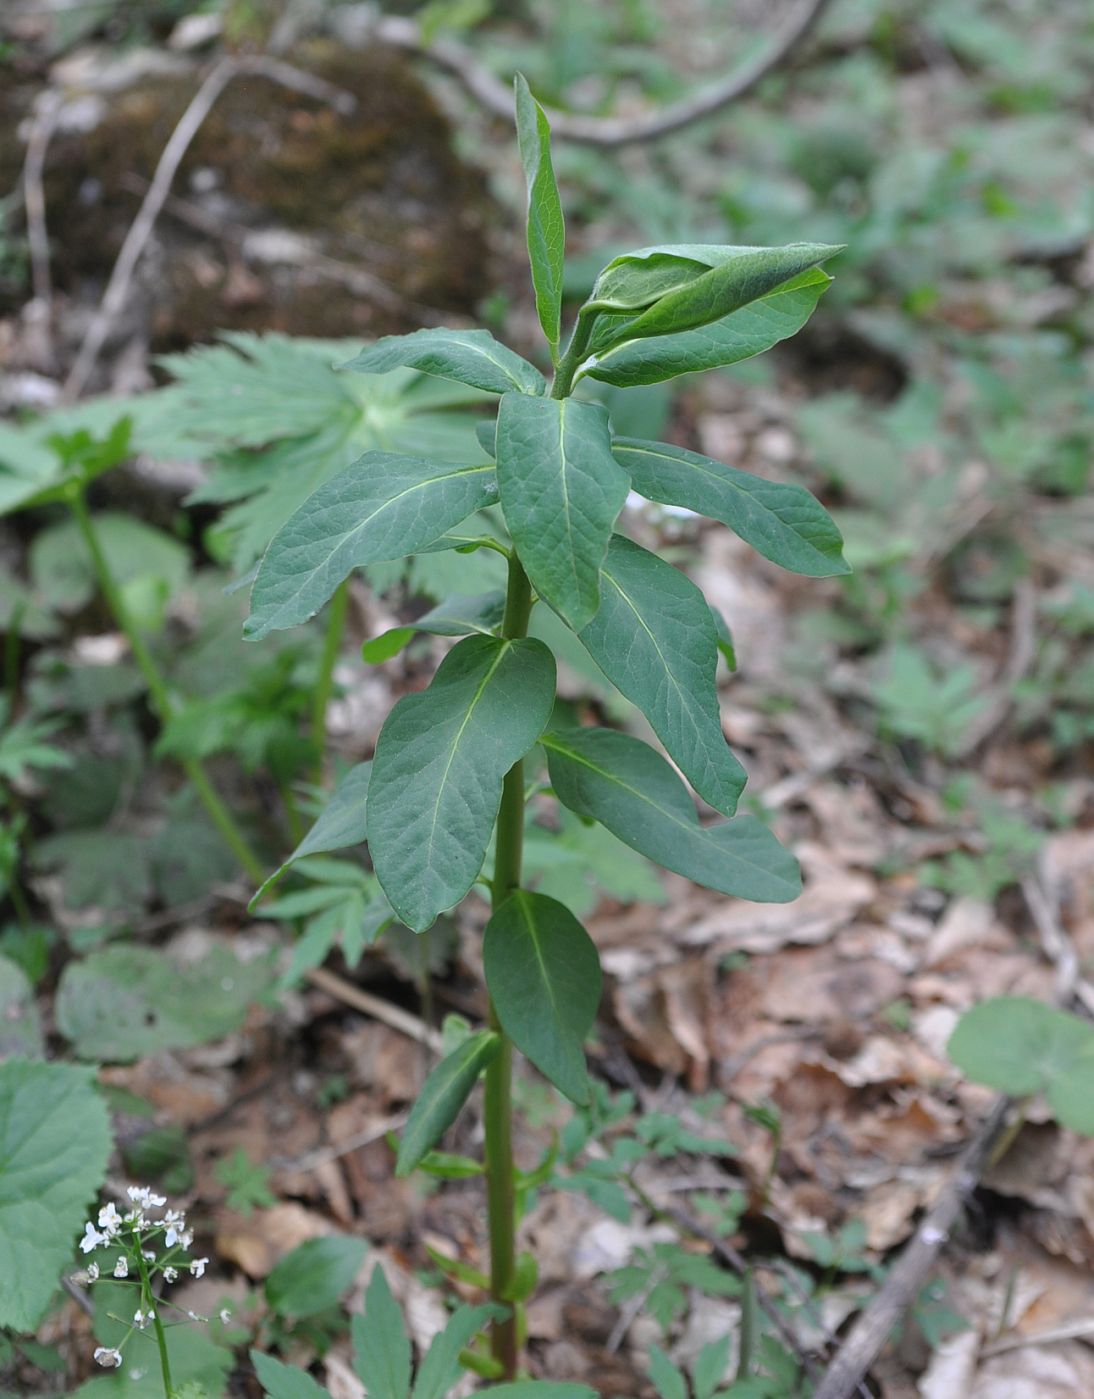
pixel 454 763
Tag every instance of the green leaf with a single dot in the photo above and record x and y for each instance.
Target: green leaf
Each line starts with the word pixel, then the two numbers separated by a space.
pixel 280 1381
pixel 666 1378
pixel 54 1145
pixel 655 640
pixel 546 228
pixel 380 1343
pixel 619 781
pixel 124 1002
pixel 543 973
pixel 382 507
pixel 709 1367
pixel 198 1365
pixel 460 615
pixel 743 276
pixel 540 1389
pixel 20 1028
pixel 438 770
pixel 747 332
pixel 783 523
pixel 472 357
pixel 1021 1046
pixel 314 1276
pixel 341 823
pixel 443 1094
pixel 561 490
pixel 441 1368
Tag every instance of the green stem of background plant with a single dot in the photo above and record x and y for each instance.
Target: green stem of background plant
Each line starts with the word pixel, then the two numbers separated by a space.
pixel 332 645
pixel 164 706
pixel 501 1204
pixel 150 1305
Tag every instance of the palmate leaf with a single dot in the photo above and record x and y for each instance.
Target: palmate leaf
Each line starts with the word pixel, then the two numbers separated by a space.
pixel 54 1144
pixel 620 782
pixel 471 357
pixel 438 769
pixel 546 227
pixel 443 1094
pixel 561 490
pixel 746 332
pixel 341 823
pixel 382 507
pixel 460 615
pixel 543 973
pixel 655 639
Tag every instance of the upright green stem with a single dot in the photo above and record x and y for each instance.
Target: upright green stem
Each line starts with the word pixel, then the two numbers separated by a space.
pixel 500 1200
pixel 149 1304
pixel 332 644
pixel 164 706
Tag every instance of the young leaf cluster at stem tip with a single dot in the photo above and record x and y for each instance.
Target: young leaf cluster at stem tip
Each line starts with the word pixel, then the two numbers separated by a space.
pixel 448 768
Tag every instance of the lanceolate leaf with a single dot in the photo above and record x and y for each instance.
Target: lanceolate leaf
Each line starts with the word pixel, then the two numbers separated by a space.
pixel 459 615
pixel 380 1343
pixel 626 786
pixel 440 1369
pixel 784 523
pixel 438 770
pixel 655 640
pixel 341 823
pixel 543 974
pixel 745 275
pixel 443 1094
pixel 546 229
pixel 472 357
pixel 382 507
pixel 561 490
pixel 747 332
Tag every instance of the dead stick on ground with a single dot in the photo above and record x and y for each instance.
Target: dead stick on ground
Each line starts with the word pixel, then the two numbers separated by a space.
pixel 393 1016
pixel 497 97
pixel 874 1326
pixel 136 240
pixel 34 200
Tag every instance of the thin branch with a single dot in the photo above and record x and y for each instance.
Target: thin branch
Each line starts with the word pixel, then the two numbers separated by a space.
pixel 390 1015
pixel 608 132
pixel 902 1284
pixel 136 240
pixel 34 199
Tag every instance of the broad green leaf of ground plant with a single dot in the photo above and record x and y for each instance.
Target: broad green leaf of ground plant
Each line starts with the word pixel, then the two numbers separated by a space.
pixel 543 974
pixel 459 615
pixel 443 1094
pixel 125 1002
pixel 314 1276
pixel 783 523
pixel 622 783
pixel 54 1145
pixel 746 275
pixel 381 1347
pixel 280 1381
pixel 655 639
pixel 1021 1046
pixel 546 227
pixel 539 1389
pixel 472 357
pixel 438 769
pixel 20 1027
pixel 561 490
pixel 198 1364
pixel 341 823
pixel 382 507
pixel 746 332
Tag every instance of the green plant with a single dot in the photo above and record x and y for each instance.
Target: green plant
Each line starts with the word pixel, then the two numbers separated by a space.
pixel 455 762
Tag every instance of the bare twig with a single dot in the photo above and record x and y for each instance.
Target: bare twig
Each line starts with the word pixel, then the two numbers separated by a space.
pixel 610 132
pixel 324 1155
pixel 381 1010
pixel 34 199
pixel 1044 907
pixel 136 240
pixel 1072 1331
pixel 874 1326
pixel 1023 645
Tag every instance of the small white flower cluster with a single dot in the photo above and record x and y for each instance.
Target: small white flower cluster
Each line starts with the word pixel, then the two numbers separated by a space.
pixel 150 1244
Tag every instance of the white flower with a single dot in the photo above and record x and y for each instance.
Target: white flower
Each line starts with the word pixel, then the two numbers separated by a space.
pixel 176 1232
pixel 170 1274
pixel 93 1272
pixel 141 1319
pixel 197 1267
pixel 110 1221
pixel 108 1357
pixel 225 1315
pixel 142 1196
pixel 92 1239
pixel 136 1219
pixel 148 1255
pixel 121 1267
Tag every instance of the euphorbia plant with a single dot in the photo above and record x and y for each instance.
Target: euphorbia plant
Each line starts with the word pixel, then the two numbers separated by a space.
pixel 452 765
